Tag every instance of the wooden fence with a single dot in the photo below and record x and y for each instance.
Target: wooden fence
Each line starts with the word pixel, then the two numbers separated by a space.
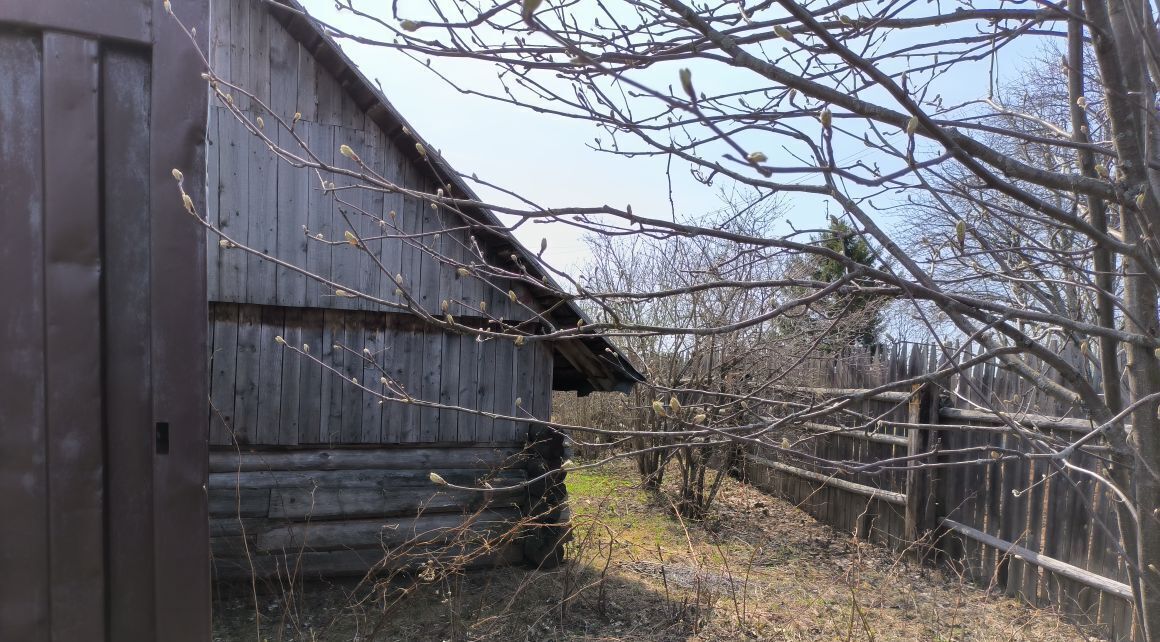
pixel 1026 528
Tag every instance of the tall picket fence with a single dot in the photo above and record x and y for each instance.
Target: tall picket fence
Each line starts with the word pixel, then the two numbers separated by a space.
pixel 1024 527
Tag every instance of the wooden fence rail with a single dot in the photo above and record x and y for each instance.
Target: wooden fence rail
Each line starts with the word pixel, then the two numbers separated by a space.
pixel 1025 527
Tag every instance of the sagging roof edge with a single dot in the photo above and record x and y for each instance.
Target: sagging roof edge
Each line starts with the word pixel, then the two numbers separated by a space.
pixel 602 365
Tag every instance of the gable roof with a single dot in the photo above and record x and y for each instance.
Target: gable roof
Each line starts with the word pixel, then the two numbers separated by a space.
pixel 591 363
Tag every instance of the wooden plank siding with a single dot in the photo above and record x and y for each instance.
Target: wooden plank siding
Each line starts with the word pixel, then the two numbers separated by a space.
pixel 322 441
pixel 263 393
pixel 265 202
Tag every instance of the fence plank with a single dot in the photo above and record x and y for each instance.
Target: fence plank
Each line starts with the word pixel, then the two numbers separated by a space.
pixel 1035 534
pixel 868 491
pixel 1087 578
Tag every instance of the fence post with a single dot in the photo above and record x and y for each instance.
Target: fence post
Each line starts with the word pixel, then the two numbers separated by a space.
pixel 921 484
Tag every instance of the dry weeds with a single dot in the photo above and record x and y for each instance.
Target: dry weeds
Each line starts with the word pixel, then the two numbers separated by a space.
pixel 757 569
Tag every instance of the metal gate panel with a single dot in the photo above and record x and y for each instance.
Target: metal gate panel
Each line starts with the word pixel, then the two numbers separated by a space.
pixel 23 476
pixel 102 307
pixel 72 355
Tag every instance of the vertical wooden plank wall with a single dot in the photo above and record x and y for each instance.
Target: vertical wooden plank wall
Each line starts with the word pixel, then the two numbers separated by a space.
pixel 263 393
pixel 264 202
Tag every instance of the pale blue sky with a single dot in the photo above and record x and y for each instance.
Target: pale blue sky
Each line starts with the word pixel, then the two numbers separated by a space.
pixel 545 157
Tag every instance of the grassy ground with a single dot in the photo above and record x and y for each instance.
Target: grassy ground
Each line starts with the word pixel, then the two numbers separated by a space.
pixel 757 569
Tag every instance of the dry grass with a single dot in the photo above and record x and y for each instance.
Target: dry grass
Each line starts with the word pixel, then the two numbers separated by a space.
pixel 758 569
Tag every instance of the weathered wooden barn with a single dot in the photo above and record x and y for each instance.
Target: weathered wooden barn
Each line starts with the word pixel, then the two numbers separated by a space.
pixel 306 469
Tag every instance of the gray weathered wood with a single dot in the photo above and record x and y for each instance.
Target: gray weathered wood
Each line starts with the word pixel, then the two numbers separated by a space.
pixel 895 396
pixel 319 254
pixel 449 386
pixel 823 429
pixel 829 480
pixel 1031 421
pixel 412 380
pixel 310 379
pixel 918 521
pixel 372 410
pixel 329 97
pixel 333 333
pixel 212 206
pixel 432 372
pixel 422 530
pixel 307 85
pixel 367 220
pixel 1119 589
pixel 485 368
pixel 238 25
pixel 352 369
pixel 392 414
pixel 292 208
pixel 542 388
pixel 348 260
pixel 246 376
pixel 289 416
pixel 503 401
pixel 283 71
pixel 239 502
pixel 390 164
pixel 233 152
pixel 223 368
pixel 410 228
pixel 331 503
pixel 467 372
pixel 269 391
pixel 450 456
pixel 258 59
pixel 261 220
pixel 364 478
pixel 219 33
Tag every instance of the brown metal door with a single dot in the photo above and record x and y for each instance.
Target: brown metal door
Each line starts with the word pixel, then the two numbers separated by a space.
pixel 102 323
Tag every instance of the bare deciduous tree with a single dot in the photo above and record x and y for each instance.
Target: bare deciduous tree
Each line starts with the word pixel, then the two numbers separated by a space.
pixel 1045 212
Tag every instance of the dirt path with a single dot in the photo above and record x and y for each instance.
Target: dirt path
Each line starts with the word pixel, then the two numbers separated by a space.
pixel 757 569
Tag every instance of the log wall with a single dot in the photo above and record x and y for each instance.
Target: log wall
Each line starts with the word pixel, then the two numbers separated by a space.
pixel 310 513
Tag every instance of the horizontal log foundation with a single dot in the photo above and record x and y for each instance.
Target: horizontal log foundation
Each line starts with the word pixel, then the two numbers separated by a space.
pixel 422 458
pixel 311 505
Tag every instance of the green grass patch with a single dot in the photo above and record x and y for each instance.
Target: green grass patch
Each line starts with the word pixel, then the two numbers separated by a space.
pixel 612 496
pixel 594 483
